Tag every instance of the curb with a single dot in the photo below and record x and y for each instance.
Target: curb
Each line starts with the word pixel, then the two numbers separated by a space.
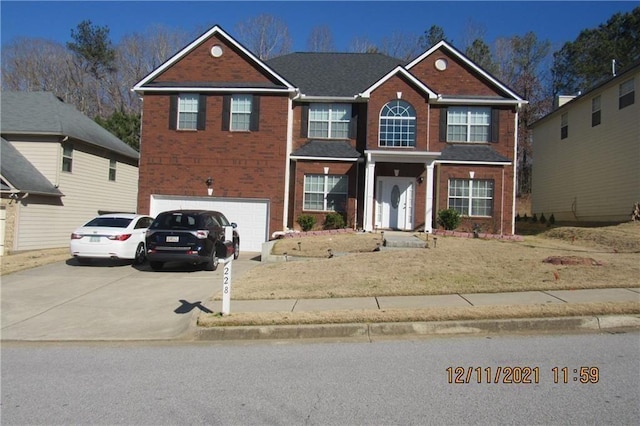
pixel 373 331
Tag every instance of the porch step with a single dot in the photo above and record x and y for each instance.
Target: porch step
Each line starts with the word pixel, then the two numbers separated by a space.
pixel 404 242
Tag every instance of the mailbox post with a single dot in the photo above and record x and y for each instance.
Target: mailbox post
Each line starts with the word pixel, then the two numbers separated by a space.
pixel 226 275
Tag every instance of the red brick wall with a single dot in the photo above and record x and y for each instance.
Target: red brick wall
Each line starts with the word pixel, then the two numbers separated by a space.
pixel 242 164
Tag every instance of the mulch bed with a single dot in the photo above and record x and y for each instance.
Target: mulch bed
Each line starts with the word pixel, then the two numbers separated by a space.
pixel 572 260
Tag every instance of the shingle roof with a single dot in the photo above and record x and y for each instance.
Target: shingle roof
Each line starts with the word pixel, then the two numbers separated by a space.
pixel 43 113
pixel 470 152
pixel 327 149
pixel 333 74
pixel 23 175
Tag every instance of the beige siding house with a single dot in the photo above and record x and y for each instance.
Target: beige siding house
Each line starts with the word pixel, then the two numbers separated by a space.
pixel 59 169
pixel 587 154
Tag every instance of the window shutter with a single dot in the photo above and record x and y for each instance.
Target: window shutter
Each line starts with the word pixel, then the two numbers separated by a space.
pixel 304 120
pixel 353 124
pixel 226 112
pixel 443 124
pixel 173 112
pixel 255 114
pixel 202 112
pixel 495 124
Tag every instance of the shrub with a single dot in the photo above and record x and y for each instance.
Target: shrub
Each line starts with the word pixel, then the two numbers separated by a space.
pixel 525 218
pixel 543 219
pixel 552 219
pixel 518 217
pixel 334 221
pixel 449 219
pixel 534 218
pixel 306 222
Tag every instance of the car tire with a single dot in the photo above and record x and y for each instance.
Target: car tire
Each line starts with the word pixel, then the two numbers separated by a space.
pixel 140 255
pixel 213 262
pixel 156 266
pixel 236 249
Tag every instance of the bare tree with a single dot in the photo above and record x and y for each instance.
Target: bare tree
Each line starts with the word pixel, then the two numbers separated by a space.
pixel 320 40
pixel 473 31
pixel 401 45
pixel 265 35
pixel 362 45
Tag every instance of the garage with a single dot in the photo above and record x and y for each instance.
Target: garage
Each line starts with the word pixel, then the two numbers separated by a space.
pixel 251 215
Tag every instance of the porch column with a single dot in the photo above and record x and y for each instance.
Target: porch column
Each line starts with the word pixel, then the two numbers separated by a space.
pixel 428 211
pixel 369 180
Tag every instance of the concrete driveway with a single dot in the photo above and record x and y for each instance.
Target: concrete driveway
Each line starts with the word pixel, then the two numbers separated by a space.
pixel 109 301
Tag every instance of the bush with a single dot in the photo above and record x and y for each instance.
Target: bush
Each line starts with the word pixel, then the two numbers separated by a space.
pixel 449 219
pixel 518 217
pixel 543 219
pixel 552 219
pixel 334 221
pixel 534 218
pixel 525 218
pixel 306 222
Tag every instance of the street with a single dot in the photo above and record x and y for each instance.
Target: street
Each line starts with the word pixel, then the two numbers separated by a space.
pixel 388 382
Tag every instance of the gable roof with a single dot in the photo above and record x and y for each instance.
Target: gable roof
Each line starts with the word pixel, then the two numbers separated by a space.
pixel 399 70
pixel 455 52
pixel 21 174
pixel 147 82
pixel 339 75
pixel 42 113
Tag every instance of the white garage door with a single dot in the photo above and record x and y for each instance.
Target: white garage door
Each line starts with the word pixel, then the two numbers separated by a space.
pixel 251 215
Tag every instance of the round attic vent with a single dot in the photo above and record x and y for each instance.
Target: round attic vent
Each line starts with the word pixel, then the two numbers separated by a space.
pixel 441 64
pixel 216 51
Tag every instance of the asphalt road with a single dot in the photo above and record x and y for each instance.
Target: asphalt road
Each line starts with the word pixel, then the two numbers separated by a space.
pixel 392 382
pixel 110 301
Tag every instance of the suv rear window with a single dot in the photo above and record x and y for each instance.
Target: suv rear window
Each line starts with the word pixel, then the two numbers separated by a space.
pixel 176 221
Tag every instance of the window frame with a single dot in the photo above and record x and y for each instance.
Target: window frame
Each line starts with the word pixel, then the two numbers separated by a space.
pixel 626 93
pixel 469 124
pixel 330 197
pixel 469 207
pixel 67 158
pixel 236 125
pixel 596 110
pixel 564 125
pixel 331 122
pixel 398 127
pixel 194 101
pixel 112 170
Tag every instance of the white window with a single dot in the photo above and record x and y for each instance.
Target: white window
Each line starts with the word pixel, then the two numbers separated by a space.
pixel 595 111
pixel 397 124
pixel 329 121
pixel 112 170
pixel 188 112
pixel 325 193
pixel 564 126
pixel 468 124
pixel 471 197
pixel 627 94
pixel 241 112
pixel 67 157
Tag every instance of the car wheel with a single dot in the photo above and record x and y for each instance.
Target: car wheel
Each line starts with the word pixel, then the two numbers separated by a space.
pixel 236 249
pixel 213 262
pixel 140 255
pixel 156 266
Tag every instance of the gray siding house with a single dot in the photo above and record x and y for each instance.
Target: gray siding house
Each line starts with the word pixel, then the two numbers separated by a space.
pixel 59 169
pixel 587 154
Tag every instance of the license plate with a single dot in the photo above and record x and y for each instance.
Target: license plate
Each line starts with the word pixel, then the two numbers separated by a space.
pixel 172 238
pixel 94 239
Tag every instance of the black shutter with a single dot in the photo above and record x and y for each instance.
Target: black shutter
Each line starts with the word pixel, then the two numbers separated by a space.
pixel 173 112
pixel 495 124
pixel 254 123
pixel 353 124
pixel 226 112
pixel 202 112
pixel 443 124
pixel 304 120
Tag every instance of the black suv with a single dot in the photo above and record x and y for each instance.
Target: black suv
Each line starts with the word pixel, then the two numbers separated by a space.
pixel 193 236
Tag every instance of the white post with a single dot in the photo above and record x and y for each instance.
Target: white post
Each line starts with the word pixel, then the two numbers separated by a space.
pixel 428 213
pixel 226 275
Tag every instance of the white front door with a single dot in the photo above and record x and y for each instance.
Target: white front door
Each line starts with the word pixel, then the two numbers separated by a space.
pixel 394 206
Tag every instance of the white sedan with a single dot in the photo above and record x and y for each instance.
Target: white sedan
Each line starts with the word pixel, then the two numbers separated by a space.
pixel 111 236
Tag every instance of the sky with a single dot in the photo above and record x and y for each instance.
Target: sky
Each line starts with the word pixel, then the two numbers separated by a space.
pixel 557 22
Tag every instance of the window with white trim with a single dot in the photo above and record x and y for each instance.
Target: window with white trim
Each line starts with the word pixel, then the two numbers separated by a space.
pixel 595 111
pixel 241 106
pixel 330 121
pixel 67 157
pixel 564 126
pixel 627 94
pixel 188 111
pixel 112 170
pixel 471 197
pixel 397 124
pixel 325 192
pixel 468 124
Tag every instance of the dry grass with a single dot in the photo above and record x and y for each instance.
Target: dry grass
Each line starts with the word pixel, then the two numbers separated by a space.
pixel 30 259
pixel 457 265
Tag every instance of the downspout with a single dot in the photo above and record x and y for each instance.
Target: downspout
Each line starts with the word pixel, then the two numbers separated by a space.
pixel 502 205
pixel 515 175
pixel 287 166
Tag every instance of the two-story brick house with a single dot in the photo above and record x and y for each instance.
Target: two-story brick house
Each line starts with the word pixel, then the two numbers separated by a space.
pixel 384 142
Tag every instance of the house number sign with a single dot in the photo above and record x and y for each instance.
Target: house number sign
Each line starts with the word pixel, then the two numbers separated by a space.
pixel 226 275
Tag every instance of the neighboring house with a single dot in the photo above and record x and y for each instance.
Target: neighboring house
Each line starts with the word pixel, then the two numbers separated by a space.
pixel 385 143
pixel 587 154
pixel 59 169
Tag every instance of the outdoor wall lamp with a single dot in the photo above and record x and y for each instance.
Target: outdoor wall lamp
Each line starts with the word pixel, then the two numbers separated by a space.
pixel 420 179
pixel 209 183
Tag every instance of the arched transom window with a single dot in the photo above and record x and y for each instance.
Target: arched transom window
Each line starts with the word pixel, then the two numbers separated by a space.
pixel 398 124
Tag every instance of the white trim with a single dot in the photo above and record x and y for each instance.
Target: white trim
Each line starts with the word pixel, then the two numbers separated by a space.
pixel 287 165
pixel 401 156
pixel 405 73
pixel 213 90
pixel 301 157
pixel 478 101
pixel 214 30
pixel 479 163
pixel 327 99
pixel 515 173
pixel 466 60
